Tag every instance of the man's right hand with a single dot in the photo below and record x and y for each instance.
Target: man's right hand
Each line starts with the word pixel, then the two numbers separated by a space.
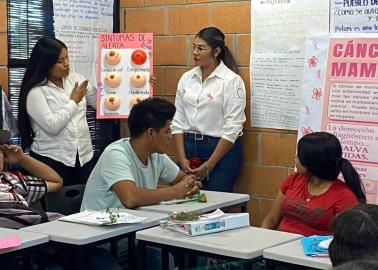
pixel 188 186
pixel 79 91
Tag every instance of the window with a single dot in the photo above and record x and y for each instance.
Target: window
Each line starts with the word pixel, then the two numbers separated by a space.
pixel 28 20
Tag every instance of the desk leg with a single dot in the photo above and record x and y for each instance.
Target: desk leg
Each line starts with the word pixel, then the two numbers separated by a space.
pixel 131 260
pixel 141 255
pixel 114 248
pixel 80 259
pixel 26 262
pixel 243 208
pixel 164 258
pixel 269 265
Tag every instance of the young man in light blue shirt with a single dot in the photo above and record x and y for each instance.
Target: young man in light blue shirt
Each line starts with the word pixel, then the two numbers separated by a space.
pixel 128 171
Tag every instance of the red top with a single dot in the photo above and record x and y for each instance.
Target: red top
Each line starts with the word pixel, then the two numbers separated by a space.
pixel 306 214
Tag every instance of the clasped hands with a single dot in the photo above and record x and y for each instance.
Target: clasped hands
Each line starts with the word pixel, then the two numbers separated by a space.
pixel 187 187
pixel 200 172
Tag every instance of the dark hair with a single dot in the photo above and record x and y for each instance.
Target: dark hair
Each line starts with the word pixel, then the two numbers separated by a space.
pixel 150 113
pixel 215 38
pixel 43 57
pixel 355 235
pixel 321 154
pixel 358 265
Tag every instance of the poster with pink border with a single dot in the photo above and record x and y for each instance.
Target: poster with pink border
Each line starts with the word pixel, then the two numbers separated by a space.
pixel 340 96
pixel 125 64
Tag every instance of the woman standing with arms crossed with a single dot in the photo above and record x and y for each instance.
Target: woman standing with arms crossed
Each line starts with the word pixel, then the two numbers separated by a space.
pixel 52 112
pixel 210 103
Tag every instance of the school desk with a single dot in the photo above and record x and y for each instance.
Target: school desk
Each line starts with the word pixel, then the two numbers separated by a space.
pixel 292 253
pixel 240 244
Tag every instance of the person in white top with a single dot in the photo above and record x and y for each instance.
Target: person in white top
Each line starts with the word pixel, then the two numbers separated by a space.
pixel 52 112
pixel 210 103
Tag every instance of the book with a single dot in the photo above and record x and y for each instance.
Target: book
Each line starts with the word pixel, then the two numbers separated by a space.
pixel 207 226
pixel 104 217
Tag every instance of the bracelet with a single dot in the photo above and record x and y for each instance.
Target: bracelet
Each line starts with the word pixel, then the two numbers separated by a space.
pixel 207 170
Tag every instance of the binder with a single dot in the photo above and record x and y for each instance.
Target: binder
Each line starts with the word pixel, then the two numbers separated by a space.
pixel 201 227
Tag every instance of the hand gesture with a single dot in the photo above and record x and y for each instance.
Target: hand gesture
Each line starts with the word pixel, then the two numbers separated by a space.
pixel 12 153
pixel 186 187
pixel 79 91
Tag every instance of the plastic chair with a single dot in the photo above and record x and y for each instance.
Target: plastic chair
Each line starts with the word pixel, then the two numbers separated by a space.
pixel 65 201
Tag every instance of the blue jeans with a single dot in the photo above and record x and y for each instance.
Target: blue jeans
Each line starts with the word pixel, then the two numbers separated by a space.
pixel 226 171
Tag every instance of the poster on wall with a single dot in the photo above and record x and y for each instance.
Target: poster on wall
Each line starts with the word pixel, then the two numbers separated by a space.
pixel 125 64
pixel 277 53
pixel 354 16
pixel 348 102
pixel 77 24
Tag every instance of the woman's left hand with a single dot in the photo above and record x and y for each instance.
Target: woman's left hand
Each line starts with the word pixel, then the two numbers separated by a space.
pixel 203 171
pixel 12 153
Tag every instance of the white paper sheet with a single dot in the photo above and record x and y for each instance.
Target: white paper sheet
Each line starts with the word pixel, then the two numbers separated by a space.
pixel 279 29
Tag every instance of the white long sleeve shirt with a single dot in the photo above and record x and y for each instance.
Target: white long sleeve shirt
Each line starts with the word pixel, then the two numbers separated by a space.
pixel 59 124
pixel 214 107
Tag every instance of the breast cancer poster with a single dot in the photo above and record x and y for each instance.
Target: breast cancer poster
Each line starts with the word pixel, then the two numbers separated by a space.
pixel 125 64
pixel 347 98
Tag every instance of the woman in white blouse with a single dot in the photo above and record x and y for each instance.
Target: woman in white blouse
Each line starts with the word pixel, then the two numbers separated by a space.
pixel 210 102
pixel 52 112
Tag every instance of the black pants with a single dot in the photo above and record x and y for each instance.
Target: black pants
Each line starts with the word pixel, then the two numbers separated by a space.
pixel 71 175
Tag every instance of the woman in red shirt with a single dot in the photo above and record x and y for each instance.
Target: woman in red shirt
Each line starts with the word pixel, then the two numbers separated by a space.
pixel 312 196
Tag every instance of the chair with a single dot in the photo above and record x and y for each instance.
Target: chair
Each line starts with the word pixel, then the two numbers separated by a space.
pixel 65 201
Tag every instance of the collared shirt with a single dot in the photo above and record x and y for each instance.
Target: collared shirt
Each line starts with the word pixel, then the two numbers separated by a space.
pixel 59 124
pixel 16 187
pixel 214 107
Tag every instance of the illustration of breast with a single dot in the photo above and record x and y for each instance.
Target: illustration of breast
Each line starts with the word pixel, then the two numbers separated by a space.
pixel 138 79
pixel 135 100
pixel 113 79
pixel 139 57
pixel 113 57
pixel 112 102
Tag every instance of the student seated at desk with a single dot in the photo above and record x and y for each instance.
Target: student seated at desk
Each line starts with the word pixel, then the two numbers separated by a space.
pixel 355 235
pixel 18 187
pixel 310 198
pixel 127 173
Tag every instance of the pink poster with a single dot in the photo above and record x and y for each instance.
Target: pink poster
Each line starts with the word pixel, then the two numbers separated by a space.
pixel 350 106
pixel 125 64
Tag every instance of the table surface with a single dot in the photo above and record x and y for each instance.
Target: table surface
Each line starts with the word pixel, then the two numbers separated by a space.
pixel 243 243
pixel 81 234
pixel 214 200
pixel 28 239
pixel 292 252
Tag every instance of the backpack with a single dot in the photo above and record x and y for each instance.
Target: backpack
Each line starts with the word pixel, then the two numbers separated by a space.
pixel 14 215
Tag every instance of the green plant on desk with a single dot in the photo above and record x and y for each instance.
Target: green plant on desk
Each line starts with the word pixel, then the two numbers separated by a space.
pixel 113 217
pixel 185 216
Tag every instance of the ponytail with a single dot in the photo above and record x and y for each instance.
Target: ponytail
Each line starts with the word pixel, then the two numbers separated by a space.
pixel 215 38
pixel 227 58
pixel 353 180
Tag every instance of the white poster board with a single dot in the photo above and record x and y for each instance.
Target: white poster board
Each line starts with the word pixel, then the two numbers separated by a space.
pixel 77 24
pixel 278 34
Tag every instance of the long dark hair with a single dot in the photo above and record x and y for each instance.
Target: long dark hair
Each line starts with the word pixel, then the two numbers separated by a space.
pixel 215 38
pixel 43 57
pixel 355 235
pixel 321 154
